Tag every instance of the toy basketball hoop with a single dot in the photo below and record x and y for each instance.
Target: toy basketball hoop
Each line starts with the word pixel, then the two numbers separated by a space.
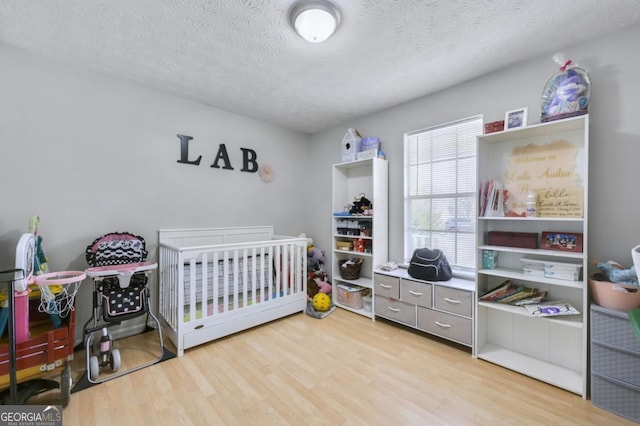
pixel 58 290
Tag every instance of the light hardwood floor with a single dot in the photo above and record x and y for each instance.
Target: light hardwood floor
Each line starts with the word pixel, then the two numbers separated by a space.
pixel 342 370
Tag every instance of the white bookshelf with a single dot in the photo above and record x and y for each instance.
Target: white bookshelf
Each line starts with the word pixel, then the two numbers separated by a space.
pixel 349 179
pixel 550 349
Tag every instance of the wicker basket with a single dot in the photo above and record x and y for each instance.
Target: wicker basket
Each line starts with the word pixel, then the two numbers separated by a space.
pixel 350 268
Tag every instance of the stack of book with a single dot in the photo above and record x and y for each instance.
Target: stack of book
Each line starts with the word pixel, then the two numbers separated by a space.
pixel 514 294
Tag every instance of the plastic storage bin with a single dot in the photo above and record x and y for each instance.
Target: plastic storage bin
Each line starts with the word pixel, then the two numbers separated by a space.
pixel 621 297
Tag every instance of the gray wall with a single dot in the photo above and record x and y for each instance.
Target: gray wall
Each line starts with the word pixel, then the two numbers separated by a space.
pixel 614 171
pixel 92 155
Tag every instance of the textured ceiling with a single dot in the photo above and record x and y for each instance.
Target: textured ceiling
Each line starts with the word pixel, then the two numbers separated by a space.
pixel 243 56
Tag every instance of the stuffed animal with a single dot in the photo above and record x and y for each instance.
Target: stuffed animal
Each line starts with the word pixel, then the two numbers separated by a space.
pixel 567 92
pixel 315 259
pixel 616 273
pixel 569 95
pixel 324 287
pixel 361 205
pixel 317 285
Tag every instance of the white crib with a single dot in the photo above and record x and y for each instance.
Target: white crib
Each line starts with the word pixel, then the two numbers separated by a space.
pixel 219 281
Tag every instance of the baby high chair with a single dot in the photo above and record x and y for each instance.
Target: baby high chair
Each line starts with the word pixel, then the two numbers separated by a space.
pixel 120 274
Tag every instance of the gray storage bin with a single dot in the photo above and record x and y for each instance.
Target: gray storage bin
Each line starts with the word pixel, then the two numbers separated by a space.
pixel 616 364
pixel 613 328
pixel 616 398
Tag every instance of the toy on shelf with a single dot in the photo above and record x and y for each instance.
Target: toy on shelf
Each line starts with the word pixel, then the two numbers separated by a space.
pixel 361 205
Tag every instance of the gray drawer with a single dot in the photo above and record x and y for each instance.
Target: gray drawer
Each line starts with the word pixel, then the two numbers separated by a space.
pixel 387 286
pixel 615 364
pixel 613 328
pixel 616 398
pixel 445 325
pixel 415 292
pixel 395 310
pixel 453 300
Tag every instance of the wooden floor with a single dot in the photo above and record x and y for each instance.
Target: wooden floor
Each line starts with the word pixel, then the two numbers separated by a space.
pixel 342 370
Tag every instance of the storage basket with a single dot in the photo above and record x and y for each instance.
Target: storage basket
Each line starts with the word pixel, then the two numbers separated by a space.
pixel 617 296
pixel 350 268
pixel 352 296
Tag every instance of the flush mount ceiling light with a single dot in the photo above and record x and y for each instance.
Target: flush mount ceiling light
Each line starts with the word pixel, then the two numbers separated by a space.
pixel 315 20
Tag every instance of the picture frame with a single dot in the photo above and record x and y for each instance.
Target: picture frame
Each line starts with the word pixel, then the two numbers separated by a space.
pixel 516 118
pixel 561 241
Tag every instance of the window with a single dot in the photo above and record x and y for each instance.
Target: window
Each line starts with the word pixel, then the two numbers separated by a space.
pixel 440 191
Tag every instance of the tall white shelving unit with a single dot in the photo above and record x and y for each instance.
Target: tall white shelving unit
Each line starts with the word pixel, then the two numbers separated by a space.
pixel 369 177
pixel 550 349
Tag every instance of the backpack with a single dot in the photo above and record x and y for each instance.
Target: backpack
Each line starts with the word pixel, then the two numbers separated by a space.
pixel 430 265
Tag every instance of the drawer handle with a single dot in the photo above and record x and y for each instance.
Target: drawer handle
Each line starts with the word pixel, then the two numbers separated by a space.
pixel 393 309
pixel 452 300
pixel 385 286
pixel 414 293
pixel 443 325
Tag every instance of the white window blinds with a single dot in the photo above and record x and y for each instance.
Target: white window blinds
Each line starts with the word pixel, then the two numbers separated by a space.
pixel 440 190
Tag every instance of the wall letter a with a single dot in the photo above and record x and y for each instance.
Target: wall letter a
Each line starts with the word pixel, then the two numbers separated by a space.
pixel 222 154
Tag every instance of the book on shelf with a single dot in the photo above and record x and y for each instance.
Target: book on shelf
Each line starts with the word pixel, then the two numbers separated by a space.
pixel 514 294
pixel 482 196
pixel 537 298
pixel 494 292
pixel 524 293
pixel 549 309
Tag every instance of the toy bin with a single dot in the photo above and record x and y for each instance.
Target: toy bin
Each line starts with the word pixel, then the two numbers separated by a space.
pixel 617 296
pixel 352 296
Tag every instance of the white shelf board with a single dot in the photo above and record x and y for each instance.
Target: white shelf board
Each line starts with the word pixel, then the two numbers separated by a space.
pixel 362 312
pixel 352 216
pixel 362 281
pixel 541 129
pixel 355 253
pixel 537 252
pixel 533 219
pixel 353 237
pixel 533 367
pixel 576 321
pixel 355 163
pixel 515 274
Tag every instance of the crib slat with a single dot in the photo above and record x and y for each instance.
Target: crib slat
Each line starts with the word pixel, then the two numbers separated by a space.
pixel 235 279
pixel 225 300
pixel 216 291
pixel 254 274
pixel 204 284
pixel 263 296
pixel 245 277
pixel 193 287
